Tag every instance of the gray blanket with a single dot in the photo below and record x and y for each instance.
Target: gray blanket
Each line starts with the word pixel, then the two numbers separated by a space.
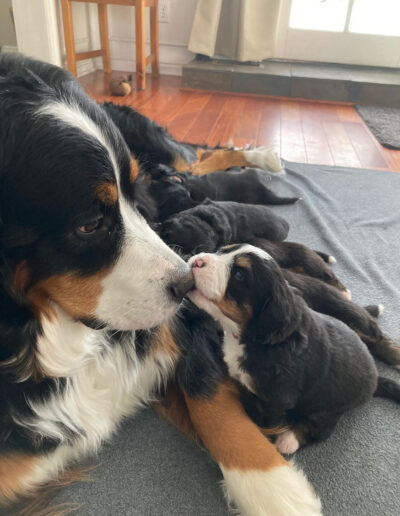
pixel 150 469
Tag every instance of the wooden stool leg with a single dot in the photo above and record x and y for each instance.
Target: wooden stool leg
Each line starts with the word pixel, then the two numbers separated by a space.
pixel 140 48
pixel 69 36
pixel 104 40
pixel 154 39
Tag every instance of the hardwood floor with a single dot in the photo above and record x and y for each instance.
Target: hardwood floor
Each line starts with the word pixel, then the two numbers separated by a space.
pixel 307 132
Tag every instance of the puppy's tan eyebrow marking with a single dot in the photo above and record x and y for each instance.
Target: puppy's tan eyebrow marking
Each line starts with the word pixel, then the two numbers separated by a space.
pixel 134 173
pixel 243 261
pixel 107 193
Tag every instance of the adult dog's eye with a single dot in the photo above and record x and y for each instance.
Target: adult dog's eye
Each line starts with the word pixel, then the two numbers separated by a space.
pixel 238 273
pixel 91 227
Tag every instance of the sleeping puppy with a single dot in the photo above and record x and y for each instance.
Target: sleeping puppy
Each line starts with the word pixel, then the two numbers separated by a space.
pixel 213 224
pixel 174 192
pixel 169 192
pixel 247 185
pixel 328 300
pixel 296 367
pixel 302 259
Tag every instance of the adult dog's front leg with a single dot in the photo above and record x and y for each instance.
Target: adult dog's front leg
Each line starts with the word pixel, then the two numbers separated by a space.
pixel 258 480
pixel 221 159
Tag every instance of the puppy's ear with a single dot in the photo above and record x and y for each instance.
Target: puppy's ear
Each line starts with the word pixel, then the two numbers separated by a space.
pixel 277 313
pixel 216 218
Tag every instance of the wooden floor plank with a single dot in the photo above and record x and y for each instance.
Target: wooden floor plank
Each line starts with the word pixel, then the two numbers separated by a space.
pixel 347 113
pixel 316 143
pixel 341 147
pixel 269 130
pixel 186 116
pixel 224 128
pixel 249 120
pixel 367 151
pixel 292 139
pixel 308 132
pixel 201 129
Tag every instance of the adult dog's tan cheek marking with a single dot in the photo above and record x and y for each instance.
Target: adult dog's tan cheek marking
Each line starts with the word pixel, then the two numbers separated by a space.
pixel 14 468
pixel 134 172
pixel 78 296
pixel 239 315
pixel 107 193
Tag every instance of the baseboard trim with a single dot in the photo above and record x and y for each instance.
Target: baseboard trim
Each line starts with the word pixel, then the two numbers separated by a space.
pixel 8 48
pixel 129 65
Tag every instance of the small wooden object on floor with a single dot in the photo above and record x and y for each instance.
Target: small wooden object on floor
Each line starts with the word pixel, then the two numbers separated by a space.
pixel 141 60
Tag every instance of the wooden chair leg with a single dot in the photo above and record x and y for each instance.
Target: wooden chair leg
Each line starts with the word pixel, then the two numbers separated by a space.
pixel 140 46
pixel 69 36
pixel 104 39
pixel 154 39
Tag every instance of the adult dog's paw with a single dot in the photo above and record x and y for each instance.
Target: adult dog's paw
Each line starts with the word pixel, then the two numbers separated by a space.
pixel 265 158
pixel 280 491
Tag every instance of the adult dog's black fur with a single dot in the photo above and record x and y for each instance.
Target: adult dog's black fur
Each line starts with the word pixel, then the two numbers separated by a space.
pixel 297 367
pixel 177 192
pixel 217 223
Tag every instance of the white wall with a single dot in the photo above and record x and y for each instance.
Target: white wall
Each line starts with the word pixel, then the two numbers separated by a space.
pixel 174 36
pixel 7 33
pixel 40 34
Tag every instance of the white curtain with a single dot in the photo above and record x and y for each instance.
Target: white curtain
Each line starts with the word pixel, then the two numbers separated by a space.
pixel 243 30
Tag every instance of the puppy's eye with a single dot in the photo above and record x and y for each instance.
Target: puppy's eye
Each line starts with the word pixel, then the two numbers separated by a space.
pixel 238 273
pixel 91 227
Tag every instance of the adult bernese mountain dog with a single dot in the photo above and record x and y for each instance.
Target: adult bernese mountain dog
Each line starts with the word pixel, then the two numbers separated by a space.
pixel 88 294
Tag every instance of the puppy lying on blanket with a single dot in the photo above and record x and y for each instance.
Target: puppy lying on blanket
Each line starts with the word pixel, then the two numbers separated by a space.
pixel 297 367
pixel 326 299
pixel 174 192
pixel 299 258
pixel 213 224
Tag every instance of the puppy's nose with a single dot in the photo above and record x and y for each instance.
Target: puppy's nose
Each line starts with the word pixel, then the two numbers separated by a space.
pixel 180 287
pixel 198 262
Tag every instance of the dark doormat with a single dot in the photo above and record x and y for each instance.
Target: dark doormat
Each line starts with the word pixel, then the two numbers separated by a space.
pixel 384 122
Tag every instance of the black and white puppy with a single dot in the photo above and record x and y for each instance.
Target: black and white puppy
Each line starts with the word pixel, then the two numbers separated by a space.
pixel 297 367
pixel 213 224
pixel 174 192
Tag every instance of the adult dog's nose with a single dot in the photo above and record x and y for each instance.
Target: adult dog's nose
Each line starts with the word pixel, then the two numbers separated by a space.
pixel 181 286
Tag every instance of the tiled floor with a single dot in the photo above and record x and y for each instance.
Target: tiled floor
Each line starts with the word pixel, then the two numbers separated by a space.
pixel 307 132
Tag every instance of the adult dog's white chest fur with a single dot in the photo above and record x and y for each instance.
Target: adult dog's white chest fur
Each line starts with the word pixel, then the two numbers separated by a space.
pixel 233 352
pixel 87 408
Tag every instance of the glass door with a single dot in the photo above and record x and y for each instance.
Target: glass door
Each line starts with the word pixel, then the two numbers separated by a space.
pixel 364 32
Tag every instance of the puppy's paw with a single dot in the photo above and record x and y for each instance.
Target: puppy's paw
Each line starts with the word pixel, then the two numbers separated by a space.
pixel 331 259
pixel 287 443
pixel 346 294
pixel 265 158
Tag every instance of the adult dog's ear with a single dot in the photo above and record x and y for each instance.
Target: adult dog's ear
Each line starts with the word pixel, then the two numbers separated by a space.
pixel 12 236
pixel 19 327
pixel 278 310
